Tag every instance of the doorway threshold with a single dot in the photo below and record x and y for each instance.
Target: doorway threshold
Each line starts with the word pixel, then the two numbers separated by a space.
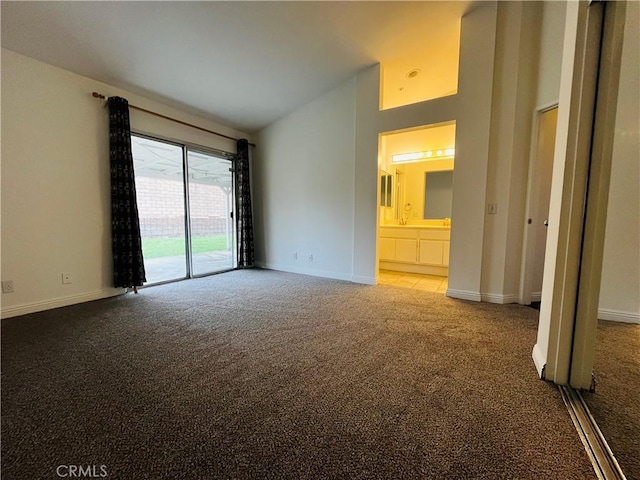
pixel 181 279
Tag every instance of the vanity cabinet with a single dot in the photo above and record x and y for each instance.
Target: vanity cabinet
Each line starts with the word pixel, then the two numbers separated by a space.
pixel 398 244
pixel 387 248
pixel 414 249
pixel 405 250
pixel 434 246
pixel 398 250
pixel 431 252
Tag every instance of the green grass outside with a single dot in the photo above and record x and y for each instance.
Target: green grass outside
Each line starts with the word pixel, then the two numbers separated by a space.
pixel 172 246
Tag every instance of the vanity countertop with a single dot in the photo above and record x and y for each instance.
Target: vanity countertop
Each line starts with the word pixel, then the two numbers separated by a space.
pixel 436 227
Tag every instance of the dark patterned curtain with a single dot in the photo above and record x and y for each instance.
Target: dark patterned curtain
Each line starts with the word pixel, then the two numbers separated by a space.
pixel 244 218
pixel 128 265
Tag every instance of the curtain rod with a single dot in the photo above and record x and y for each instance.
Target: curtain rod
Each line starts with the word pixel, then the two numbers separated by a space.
pixel 102 97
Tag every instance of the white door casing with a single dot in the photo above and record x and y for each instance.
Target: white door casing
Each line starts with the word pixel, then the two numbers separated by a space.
pixel 552 352
pixel 565 346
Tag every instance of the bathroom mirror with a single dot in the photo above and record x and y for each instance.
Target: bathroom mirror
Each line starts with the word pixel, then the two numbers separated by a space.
pixel 422 193
pixel 438 194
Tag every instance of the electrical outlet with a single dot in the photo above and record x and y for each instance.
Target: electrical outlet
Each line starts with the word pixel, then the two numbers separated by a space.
pixel 311 258
pixel 7 286
pixel 66 278
pixel 492 208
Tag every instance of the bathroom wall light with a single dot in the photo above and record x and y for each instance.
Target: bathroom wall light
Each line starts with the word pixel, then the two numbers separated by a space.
pixel 408 157
pixel 428 155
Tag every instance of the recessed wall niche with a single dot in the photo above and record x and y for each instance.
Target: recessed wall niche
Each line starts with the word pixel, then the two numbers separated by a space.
pixel 422 72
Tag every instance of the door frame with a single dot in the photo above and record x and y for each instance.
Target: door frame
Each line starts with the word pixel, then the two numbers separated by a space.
pixel 565 347
pixel 597 199
pixel 576 107
pixel 528 237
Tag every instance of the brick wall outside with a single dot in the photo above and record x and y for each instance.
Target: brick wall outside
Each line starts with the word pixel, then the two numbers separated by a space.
pixel 161 208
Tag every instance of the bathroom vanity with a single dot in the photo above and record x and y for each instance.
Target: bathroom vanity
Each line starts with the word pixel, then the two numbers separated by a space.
pixel 415 248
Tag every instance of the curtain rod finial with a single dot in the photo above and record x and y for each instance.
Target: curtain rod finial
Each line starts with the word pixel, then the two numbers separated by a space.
pixel 98 95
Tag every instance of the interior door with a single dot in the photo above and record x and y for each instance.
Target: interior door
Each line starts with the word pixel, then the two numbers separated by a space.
pixel 544 172
pixel 540 174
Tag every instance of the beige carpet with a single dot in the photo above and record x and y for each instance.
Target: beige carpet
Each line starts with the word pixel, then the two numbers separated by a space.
pixel 616 403
pixel 261 374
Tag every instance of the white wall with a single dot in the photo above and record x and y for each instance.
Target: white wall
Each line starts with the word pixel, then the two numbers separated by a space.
pixel 550 60
pixel 297 212
pixel 514 90
pixel 620 287
pixel 470 108
pixel 473 124
pixel 303 183
pixel 55 181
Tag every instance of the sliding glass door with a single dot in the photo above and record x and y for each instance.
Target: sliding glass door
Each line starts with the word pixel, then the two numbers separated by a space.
pixel 185 200
pixel 210 206
pixel 159 170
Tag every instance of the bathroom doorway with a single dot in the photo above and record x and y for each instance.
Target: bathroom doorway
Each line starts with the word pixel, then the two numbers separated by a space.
pixel 415 185
pixel 538 194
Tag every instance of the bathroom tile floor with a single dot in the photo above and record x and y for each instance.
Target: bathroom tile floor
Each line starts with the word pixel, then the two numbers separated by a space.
pixel 429 283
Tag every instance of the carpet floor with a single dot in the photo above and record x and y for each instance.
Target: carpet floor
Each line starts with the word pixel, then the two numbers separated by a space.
pixel 261 374
pixel 615 405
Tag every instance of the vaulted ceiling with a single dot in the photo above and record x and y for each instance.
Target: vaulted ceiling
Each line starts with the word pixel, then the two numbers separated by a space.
pixel 245 64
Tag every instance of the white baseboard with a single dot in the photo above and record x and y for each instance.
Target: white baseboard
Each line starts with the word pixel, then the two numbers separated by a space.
pixel 536 296
pixel 26 308
pixel 618 316
pixel 539 360
pixel 499 298
pixel 364 280
pixel 414 268
pixel 318 273
pixel 464 295
pixel 306 271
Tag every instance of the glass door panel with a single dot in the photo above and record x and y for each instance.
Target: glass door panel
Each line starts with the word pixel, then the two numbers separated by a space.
pixel 210 204
pixel 159 178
